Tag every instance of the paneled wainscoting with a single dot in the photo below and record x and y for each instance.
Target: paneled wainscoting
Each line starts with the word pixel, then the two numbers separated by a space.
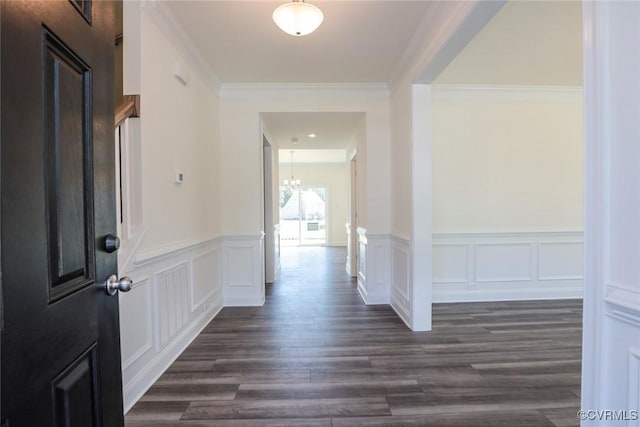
pixel 373 267
pixel 473 267
pixel 507 266
pixel 177 291
pixel 316 355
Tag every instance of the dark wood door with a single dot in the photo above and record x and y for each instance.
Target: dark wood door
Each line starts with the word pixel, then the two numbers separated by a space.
pixel 60 333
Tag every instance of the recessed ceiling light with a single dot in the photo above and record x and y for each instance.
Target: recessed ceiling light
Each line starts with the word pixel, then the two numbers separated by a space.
pixel 311 135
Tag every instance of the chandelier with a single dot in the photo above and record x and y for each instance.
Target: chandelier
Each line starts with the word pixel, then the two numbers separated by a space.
pixel 292 183
pixel 298 18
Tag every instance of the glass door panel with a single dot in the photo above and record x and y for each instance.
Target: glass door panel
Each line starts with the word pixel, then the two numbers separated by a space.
pixel 303 216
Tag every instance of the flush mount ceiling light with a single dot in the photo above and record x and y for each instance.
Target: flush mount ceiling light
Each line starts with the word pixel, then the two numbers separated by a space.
pixel 298 18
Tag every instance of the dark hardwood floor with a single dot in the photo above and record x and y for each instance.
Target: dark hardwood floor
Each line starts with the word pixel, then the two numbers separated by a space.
pixel 315 355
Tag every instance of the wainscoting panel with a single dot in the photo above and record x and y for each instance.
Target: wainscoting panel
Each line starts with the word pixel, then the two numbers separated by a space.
pixel 206 273
pixel 560 261
pixel 173 304
pixel 362 263
pixel 176 292
pixel 507 266
pixel 374 267
pixel 136 317
pixel 243 270
pixel 401 278
pixel 504 262
pixel 622 323
pixel 452 262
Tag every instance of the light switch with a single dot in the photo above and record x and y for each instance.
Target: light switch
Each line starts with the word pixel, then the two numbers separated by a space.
pixel 179 177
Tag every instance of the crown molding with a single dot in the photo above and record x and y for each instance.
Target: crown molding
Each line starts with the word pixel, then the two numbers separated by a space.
pixel 251 90
pixel 166 20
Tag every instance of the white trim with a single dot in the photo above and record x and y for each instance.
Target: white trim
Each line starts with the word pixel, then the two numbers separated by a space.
pixel 458 263
pixel 595 39
pixel 156 254
pixel 146 284
pixel 173 319
pixel 146 377
pixel 215 252
pixel 250 90
pixel 242 274
pixel 278 265
pixel 420 278
pixel 166 20
pixel 551 277
pixel 400 272
pixel 623 305
pixel 527 277
pixel 128 166
pixel 373 267
pixel 169 313
pixel 126 255
pixel 633 392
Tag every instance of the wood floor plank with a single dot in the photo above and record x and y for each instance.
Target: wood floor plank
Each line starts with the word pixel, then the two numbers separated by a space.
pixel 315 355
pixel 327 390
pixel 295 408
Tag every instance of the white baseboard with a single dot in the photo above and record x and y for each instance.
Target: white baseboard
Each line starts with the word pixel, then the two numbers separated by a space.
pixel 240 301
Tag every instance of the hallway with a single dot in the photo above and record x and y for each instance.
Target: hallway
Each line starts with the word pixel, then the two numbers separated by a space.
pixel 315 355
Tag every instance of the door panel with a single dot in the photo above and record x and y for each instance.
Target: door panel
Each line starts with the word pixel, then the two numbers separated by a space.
pixel 76 392
pixel 60 339
pixel 68 165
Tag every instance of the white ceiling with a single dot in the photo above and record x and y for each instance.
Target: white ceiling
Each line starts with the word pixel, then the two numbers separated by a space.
pixel 358 42
pixel 362 41
pixel 333 130
pixel 312 156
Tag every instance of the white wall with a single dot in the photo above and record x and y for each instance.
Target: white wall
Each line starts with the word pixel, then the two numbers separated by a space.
pixel 177 267
pixel 240 141
pixel 335 178
pixel 179 132
pixel 507 193
pixel 358 147
pixel 552 34
pixel 507 159
pixel 401 126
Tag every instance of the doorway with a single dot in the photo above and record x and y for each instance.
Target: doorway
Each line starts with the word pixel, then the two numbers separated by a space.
pixel 303 216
